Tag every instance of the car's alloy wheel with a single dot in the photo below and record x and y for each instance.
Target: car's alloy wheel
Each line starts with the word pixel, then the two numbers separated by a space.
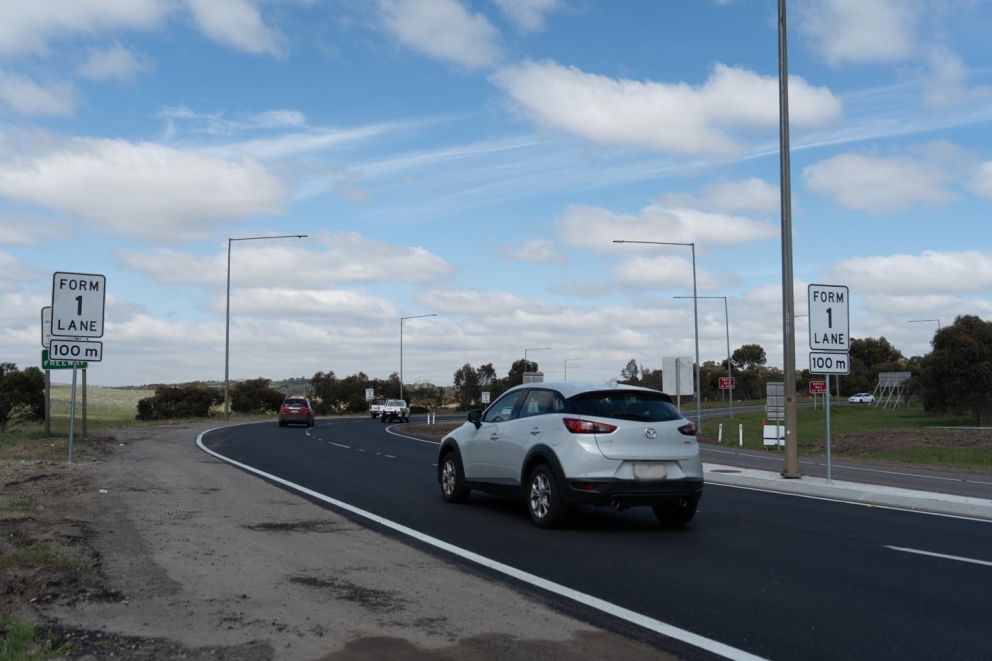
pixel 543 500
pixel 452 482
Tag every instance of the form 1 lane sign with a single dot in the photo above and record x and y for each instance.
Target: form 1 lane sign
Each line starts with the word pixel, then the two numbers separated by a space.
pixel 77 304
pixel 829 318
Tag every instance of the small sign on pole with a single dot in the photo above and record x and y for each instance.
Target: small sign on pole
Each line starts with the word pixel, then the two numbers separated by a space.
pixel 485 396
pixel 369 394
pixel 817 387
pixel 728 382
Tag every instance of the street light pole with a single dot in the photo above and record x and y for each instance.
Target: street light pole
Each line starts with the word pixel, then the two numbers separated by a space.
pixel 525 355
pixel 726 317
pixel 402 319
pixel 227 314
pixel 695 314
pixel 917 321
pixel 791 469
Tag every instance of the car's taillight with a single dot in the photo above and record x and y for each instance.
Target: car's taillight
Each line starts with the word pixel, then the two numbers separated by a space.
pixel 284 409
pixel 577 426
pixel 689 429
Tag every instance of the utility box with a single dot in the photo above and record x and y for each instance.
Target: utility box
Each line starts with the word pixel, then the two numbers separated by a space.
pixel 533 377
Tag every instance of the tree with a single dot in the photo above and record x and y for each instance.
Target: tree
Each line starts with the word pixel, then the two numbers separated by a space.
pixel 957 374
pixel 516 374
pixel 22 395
pixel 631 373
pixel 748 356
pixel 466 383
pixel 255 396
pixel 869 356
pixel 192 400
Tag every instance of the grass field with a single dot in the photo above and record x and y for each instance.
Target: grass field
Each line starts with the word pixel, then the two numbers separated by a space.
pixel 908 435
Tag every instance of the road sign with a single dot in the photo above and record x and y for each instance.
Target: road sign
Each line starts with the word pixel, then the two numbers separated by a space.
pixel 775 404
pixel 47 364
pixel 77 304
pixel 369 394
pixel 728 382
pixel 676 375
pixel 817 387
pixel 829 362
pixel 75 350
pixel 485 396
pixel 829 321
pixel 46 325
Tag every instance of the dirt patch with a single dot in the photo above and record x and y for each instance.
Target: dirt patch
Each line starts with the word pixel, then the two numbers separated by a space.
pixel 296 526
pixel 895 440
pixel 434 432
pixel 377 601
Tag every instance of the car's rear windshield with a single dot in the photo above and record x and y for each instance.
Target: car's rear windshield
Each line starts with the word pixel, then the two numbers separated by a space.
pixel 395 402
pixel 295 402
pixel 625 405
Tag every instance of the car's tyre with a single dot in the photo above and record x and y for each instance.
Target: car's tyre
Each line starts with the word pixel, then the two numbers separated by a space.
pixel 544 502
pixel 674 516
pixel 453 487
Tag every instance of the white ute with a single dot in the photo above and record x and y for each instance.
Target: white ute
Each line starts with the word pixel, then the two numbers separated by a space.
pixel 394 410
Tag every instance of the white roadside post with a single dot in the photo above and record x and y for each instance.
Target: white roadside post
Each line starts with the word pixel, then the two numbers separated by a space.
pixel 78 301
pixel 829 339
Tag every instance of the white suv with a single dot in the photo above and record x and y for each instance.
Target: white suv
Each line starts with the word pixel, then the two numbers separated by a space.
pixel 557 445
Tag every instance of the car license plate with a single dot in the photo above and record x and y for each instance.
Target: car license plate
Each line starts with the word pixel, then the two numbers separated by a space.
pixel 650 471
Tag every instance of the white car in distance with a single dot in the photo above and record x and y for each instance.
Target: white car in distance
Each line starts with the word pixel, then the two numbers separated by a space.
pixel 861 398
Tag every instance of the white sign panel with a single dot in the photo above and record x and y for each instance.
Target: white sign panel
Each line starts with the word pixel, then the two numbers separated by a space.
pixel 79 350
pixel 46 326
pixel 369 394
pixel 821 362
pixel 676 375
pixel 77 305
pixel 829 323
pixel 485 396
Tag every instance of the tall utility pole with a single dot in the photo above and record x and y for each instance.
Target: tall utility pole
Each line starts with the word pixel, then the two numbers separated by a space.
pixel 791 469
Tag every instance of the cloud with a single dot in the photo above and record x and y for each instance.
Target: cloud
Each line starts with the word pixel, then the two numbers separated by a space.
pixel 931 272
pixel 859 32
pixel 534 250
pixel 236 24
pixel 664 272
pixel 28 27
pixel 14 268
pixel 29 231
pixel 142 189
pixel 879 184
pixel 596 228
pixel 946 82
pixel 981 182
pixel 751 194
pixel 115 62
pixel 674 117
pixel 26 97
pixel 328 259
pixel 528 15
pixel 443 30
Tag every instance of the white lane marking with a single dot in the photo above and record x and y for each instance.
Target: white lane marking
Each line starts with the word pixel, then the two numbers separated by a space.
pixel 361 449
pixel 941 555
pixel 849 502
pixel 388 456
pixel 412 438
pixel 853 468
pixel 346 447
pixel 595 603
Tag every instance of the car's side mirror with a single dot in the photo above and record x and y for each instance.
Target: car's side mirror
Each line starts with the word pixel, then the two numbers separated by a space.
pixel 475 417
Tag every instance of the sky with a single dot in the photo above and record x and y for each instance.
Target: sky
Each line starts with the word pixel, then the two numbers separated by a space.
pixel 477 159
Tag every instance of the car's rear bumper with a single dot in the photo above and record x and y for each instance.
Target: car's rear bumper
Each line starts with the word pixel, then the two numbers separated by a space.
pixel 629 493
pixel 295 419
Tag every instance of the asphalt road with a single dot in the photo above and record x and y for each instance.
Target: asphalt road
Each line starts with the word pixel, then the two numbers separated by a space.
pixel 772 575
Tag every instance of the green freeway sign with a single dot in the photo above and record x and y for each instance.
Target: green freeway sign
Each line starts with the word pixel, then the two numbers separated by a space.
pixel 47 364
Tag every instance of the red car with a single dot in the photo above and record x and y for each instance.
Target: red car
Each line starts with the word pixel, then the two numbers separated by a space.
pixel 296 410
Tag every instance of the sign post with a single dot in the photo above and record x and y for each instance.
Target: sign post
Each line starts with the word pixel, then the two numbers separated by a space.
pixel 829 340
pixel 77 312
